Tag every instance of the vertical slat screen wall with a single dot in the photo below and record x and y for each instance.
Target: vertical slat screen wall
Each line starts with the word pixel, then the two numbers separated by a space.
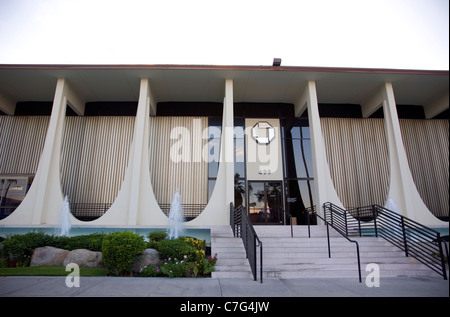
pixel 427 147
pixel 358 159
pixel 22 140
pixel 94 157
pixel 191 178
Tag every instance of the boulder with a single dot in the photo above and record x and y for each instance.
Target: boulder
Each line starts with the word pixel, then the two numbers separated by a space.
pixel 84 258
pixel 48 256
pixel 147 257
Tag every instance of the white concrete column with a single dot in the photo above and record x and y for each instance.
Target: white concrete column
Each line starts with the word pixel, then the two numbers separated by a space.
pixel 217 212
pixel 324 190
pixel 437 106
pixel 140 139
pixel 7 105
pixel 402 189
pixel 135 203
pixel 143 207
pixel 43 202
pixel 228 124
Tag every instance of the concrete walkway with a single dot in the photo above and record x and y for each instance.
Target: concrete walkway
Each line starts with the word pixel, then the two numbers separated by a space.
pixel 221 287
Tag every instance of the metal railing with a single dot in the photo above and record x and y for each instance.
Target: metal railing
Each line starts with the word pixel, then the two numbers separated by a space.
pixel 289 216
pixel 190 211
pixel 336 225
pixel 89 211
pixel 415 239
pixel 242 227
pixel 310 213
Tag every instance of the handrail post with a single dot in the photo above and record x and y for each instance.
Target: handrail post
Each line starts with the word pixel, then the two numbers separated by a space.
pixel 359 261
pixel 359 220
pixel 309 229
pixel 254 257
pixel 404 236
pixel 444 271
pixel 328 239
pixel 375 216
pixel 331 215
pixel 345 219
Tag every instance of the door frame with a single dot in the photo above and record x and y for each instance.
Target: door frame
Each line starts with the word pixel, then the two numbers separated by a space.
pixel 282 201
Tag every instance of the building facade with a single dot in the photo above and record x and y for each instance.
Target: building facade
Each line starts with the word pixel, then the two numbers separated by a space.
pixel 118 140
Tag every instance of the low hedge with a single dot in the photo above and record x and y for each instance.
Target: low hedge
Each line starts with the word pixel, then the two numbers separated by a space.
pixel 182 257
pixel 21 246
pixel 119 251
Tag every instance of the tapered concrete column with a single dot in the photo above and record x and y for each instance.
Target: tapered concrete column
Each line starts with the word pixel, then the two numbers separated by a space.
pixel 437 106
pixel 229 142
pixel 402 190
pixel 135 203
pixel 140 139
pixel 324 190
pixel 217 212
pixel 143 207
pixel 43 202
pixel 7 105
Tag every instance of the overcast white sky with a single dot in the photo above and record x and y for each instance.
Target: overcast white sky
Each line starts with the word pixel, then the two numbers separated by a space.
pixel 402 34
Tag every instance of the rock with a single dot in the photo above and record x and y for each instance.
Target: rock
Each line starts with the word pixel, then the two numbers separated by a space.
pixel 147 257
pixel 48 256
pixel 84 258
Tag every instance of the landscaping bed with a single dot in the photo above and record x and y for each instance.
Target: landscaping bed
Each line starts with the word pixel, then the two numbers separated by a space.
pixel 121 253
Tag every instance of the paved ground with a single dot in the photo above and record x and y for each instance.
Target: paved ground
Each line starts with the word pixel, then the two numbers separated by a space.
pixel 210 287
pixel 211 296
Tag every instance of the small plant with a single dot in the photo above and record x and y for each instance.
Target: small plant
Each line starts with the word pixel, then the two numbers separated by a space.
pixel 177 248
pixel 208 265
pixel 119 251
pixel 151 270
pixel 155 237
pixel 183 257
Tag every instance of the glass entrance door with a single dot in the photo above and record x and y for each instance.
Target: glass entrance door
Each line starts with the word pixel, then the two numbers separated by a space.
pixel 265 202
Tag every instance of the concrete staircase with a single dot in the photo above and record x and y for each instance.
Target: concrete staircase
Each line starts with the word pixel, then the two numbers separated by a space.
pixel 231 260
pixel 303 257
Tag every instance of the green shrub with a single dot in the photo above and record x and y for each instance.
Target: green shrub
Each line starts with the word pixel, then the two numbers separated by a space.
pixel 196 243
pixel 119 251
pixel 157 236
pixel 154 238
pixel 151 270
pixel 21 246
pixel 182 257
pixel 91 242
pixel 208 264
pixel 179 248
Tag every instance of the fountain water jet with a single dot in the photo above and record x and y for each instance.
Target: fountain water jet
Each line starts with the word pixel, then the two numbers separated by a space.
pixel 64 219
pixel 176 218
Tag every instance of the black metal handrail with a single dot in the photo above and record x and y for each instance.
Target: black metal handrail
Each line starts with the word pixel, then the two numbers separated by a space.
pixel 415 239
pixel 310 212
pixel 339 230
pixel 242 227
pixel 290 221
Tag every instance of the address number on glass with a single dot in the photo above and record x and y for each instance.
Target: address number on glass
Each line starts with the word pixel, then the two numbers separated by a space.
pixel 264 172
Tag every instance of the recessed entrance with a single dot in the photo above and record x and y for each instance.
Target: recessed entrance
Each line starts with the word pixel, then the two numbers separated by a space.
pixel 265 202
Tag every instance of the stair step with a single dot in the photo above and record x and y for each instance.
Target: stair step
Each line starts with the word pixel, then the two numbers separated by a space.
pixel 302 257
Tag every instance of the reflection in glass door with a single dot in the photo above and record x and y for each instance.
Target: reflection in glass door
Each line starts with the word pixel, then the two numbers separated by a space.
pixel 265 203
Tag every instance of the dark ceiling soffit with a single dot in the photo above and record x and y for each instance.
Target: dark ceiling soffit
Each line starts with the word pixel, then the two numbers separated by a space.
pixel 226 67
